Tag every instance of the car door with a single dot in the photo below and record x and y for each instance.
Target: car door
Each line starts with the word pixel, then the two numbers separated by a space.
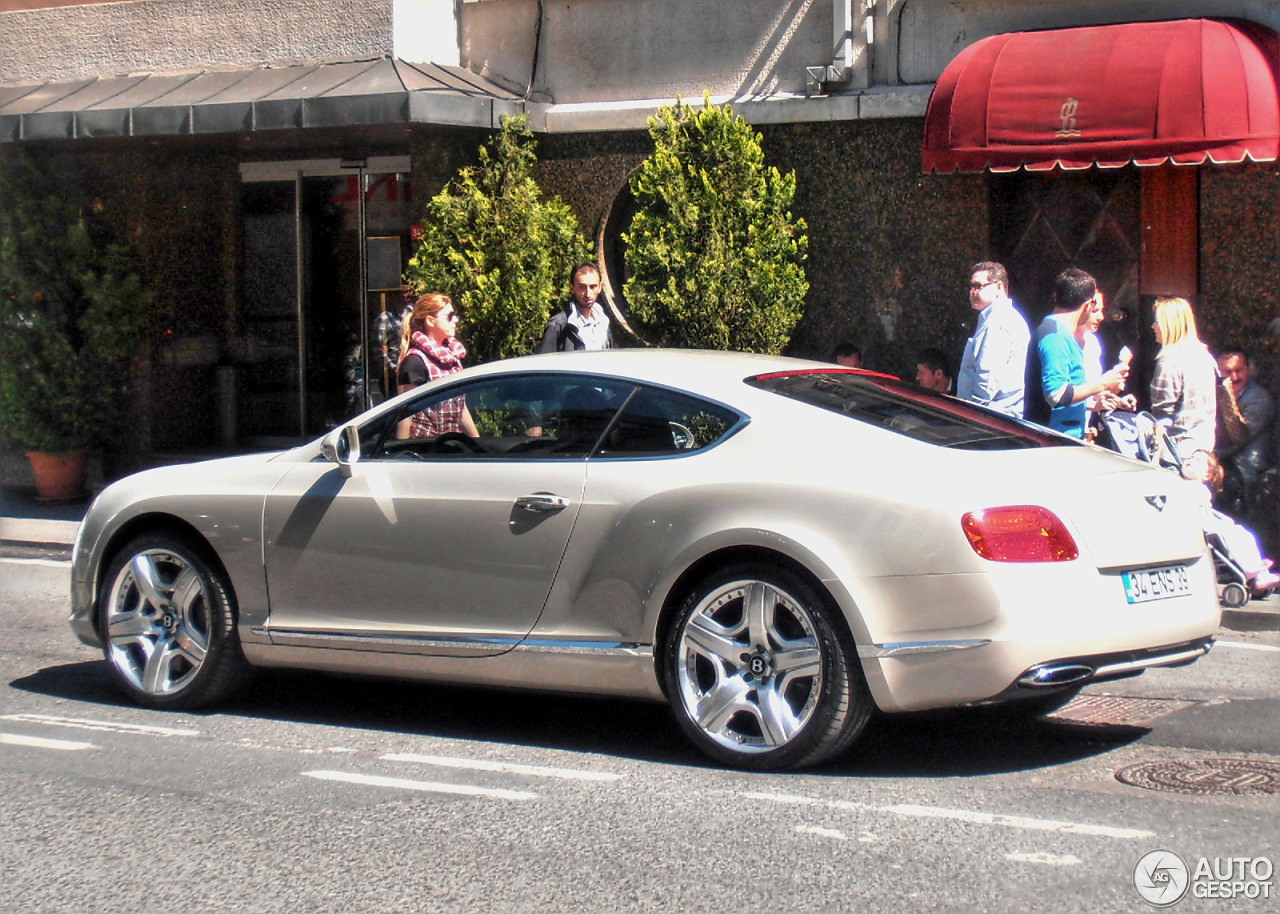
pixel 435 546
pixel 644 491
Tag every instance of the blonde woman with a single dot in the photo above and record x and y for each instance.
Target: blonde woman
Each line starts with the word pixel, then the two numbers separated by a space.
pixel 429 350
pixel 1184 397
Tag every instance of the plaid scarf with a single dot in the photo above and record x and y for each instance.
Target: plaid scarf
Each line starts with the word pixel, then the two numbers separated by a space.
pixel 447 355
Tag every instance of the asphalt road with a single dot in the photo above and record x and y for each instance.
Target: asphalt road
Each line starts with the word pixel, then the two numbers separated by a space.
pixel 315 793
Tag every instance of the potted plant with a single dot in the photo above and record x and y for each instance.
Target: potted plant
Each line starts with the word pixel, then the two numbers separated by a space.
pixel 73 312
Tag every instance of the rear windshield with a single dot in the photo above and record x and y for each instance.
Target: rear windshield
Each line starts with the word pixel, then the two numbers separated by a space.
pixel 910 410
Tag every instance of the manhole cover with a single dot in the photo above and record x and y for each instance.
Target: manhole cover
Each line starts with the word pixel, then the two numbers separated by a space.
pixel 1115 711
pixel 1233 776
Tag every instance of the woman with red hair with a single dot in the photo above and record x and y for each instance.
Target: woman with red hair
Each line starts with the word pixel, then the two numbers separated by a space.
pixel 430 349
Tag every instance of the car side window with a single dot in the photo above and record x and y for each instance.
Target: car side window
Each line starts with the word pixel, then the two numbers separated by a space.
pixel 514 416
pixel 656 422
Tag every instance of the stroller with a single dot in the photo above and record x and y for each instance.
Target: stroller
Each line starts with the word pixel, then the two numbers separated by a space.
pixel 1138 435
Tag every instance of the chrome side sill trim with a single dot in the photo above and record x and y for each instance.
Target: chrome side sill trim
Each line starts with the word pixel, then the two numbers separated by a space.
pixel 593 648
pixel 415 644
pixel 382 641
pixel 906 648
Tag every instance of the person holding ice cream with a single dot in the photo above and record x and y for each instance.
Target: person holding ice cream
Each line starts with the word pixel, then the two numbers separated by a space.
pixel 1064 381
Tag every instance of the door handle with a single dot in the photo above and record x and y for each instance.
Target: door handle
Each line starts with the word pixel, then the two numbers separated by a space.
pixel 542 502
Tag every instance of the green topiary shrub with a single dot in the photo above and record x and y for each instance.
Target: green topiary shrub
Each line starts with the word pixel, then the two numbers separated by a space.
pixel 500 249
pixel 73 312
pixel 714 256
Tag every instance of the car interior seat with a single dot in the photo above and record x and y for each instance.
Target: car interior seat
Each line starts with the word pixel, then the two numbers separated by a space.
pixel 584 414
pixel 639 434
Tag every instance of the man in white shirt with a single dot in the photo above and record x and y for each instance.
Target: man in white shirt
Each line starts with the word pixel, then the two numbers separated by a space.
pixel 582 323
pixel 993 368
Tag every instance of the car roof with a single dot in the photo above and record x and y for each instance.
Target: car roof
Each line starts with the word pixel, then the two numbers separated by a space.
pixel 691 369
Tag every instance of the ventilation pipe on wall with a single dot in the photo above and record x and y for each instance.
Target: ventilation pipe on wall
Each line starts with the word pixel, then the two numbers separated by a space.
pixel 852 36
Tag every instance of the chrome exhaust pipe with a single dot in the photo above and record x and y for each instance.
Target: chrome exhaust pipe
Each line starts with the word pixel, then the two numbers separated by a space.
pixel 1053 675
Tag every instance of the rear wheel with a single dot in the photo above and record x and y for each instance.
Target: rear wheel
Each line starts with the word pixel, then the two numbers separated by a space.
pixel 760 672
pixel 167 620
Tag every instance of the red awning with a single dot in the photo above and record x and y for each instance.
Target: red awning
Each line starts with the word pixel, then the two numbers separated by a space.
pixel 1144 92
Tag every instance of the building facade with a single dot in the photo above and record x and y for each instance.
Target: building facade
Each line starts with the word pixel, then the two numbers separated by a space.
pixel 271 157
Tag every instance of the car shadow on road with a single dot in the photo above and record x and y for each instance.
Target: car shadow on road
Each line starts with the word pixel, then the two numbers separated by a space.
pixel 627 728
pixel 934 744
pixel 623 727
pixel 86 681
pixel 973 741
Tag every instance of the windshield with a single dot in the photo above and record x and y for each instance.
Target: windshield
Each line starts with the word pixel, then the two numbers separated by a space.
pixel 909 410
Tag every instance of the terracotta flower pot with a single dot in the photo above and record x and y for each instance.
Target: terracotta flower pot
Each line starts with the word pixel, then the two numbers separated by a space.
pixel 60 478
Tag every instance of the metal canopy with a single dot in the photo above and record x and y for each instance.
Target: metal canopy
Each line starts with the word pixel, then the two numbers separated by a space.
pixel 335 94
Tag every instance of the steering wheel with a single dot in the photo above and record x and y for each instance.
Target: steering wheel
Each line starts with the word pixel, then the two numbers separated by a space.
pixel 533 444
pixel 456 441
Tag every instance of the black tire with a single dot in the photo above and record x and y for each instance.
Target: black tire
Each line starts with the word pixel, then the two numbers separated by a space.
pixel 760 672
pixel 167 617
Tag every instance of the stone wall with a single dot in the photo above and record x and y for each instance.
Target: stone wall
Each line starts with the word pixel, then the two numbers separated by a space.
pixel 888 245
pixel 174 36
pixel 1240 262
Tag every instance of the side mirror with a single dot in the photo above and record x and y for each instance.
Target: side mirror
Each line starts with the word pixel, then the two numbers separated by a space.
pixel 342 446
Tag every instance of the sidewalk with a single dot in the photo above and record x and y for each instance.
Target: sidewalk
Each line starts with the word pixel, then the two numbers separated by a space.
pixel 25 522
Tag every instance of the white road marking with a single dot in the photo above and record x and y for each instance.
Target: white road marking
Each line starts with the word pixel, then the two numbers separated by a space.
pixel 36 742
pixel 105 726
pixel 1046 859
pixel 1245 646
pixel 503 767
pixel 986 818
pixel 962 815
pixel 48 563
pixel 834 833
pixel 426 786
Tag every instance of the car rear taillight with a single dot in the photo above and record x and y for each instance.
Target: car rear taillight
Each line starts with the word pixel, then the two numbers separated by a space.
pixel 1019 533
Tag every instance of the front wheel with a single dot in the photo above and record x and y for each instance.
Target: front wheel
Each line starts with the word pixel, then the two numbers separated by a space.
pixel 167 621
pixel 760 672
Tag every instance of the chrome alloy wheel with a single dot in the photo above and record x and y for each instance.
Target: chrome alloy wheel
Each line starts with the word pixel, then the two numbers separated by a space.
pixel 158 621
pixel 749 666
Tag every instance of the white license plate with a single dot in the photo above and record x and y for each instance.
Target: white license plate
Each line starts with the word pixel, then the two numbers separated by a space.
pixel 1156 583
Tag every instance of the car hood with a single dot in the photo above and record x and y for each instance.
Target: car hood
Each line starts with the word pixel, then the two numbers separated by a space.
pixel 186 475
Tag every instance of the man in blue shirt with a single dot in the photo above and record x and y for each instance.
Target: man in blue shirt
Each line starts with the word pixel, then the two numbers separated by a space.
pixel 993 367
pixel 1062 374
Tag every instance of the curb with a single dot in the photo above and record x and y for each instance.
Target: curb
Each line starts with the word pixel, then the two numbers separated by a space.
pixel 1251 620
pixel 29 531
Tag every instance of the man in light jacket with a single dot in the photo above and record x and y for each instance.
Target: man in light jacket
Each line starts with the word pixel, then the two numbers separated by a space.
pixel 582 323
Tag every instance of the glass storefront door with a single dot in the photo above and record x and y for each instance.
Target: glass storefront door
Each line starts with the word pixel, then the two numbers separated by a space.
pixel 309 301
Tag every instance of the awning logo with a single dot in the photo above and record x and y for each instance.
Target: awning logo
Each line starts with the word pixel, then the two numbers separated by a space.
pixel 1067 112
